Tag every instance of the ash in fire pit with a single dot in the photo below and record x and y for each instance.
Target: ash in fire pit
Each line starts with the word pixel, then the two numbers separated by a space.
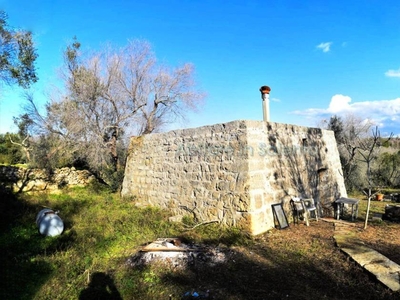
pixel 177 254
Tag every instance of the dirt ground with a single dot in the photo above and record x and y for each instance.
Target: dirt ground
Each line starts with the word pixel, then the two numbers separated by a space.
pixel 299 262
pixel 383 237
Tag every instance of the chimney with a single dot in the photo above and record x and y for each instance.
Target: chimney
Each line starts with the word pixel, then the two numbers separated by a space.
pixel 265 101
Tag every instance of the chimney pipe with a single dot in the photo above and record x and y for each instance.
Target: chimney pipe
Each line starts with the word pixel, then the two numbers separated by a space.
pixel 265 101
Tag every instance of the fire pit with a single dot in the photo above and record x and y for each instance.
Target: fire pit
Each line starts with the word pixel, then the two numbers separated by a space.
pixel 176 254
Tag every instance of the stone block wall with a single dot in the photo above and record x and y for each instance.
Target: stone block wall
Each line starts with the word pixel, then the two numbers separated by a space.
pixel 233 172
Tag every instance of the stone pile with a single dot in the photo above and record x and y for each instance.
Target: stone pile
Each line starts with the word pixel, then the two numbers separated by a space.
pixel 392 212
pixel 22 179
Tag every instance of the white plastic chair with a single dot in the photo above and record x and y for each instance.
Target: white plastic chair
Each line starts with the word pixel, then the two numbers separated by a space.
pixel 303 207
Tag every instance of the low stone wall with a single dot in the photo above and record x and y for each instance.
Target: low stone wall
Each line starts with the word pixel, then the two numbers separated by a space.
pixel 26 180
pixel 233 172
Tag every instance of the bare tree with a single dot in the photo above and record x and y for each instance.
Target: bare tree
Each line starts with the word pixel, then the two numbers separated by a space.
pixel 24 138
pixel 358 150
pixel 115 93
pixel 349 131
pixel 368 152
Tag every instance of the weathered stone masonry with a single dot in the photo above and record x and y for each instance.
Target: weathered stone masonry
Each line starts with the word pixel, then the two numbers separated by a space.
pixel 34 180
pixel 233 172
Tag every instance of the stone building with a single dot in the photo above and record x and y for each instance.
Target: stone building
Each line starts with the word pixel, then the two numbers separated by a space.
pixel 233 172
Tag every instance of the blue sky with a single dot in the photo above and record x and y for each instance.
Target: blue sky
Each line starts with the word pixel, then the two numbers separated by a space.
pixel 319 57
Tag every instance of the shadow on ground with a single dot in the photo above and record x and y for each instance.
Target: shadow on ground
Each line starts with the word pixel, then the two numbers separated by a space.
pixel 21 274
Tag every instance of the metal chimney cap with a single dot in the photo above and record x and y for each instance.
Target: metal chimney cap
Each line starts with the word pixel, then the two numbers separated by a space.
pixel 265 89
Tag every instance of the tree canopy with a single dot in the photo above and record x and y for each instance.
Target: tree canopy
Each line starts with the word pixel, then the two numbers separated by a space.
pixel 17 55
pixel 110 95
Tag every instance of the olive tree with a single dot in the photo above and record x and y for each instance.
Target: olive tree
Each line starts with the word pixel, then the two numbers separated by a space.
pixel 17 55
pixel 112 94
pixel 388 171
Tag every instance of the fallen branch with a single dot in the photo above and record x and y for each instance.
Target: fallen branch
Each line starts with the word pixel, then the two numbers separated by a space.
pixel 202 223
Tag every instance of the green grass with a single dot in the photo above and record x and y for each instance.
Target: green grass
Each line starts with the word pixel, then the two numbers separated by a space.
pixel 376 207
pixel 101 232
pixel 89 260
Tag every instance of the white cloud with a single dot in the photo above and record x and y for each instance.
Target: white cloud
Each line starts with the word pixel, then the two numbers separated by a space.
pixel 384 113
pixel 325 47
pixel 393 73
pixel 339 103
